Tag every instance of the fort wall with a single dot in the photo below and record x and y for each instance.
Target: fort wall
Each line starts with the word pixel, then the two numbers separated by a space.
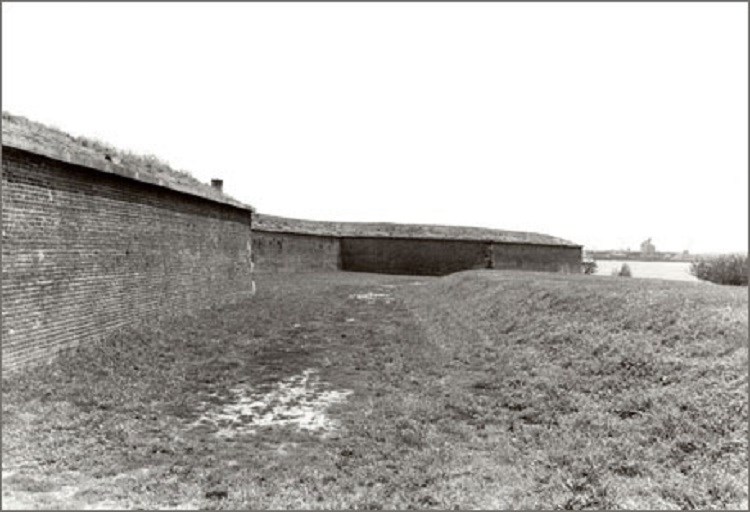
pixel 85 252
pixel 413 256
pixel 289 252
pixel 95 238
pixel 296 245
pixel 545 258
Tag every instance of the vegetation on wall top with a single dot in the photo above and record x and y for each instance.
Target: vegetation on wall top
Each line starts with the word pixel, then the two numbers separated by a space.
pixel 274 223
pixel 22 133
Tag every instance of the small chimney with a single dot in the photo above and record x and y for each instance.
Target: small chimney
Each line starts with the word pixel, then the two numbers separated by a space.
pixel 217 184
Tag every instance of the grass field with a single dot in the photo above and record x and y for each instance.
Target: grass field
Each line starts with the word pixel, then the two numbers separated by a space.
pixel 481 389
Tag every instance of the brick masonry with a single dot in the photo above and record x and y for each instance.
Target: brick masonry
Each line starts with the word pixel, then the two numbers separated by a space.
pixel 547 258
pixel 85 252
pixel 288 252
pixel 441 257
pixel 412 256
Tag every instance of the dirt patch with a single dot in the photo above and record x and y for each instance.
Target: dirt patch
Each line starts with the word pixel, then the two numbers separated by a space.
pixel 372 297
pixel 411 283
pixel 27 492
pixel 300 400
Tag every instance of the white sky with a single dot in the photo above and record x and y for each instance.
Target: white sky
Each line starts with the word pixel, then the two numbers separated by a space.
pixel 601 123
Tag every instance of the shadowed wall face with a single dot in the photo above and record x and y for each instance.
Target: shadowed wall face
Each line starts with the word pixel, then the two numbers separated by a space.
pixel 85 252
pixel 412 256
pixel 537 257
pixel 288 252
pixel 441 257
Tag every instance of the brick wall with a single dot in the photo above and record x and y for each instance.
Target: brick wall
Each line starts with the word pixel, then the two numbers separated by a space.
pixel 441 257
pixel 537 257
pixel 288 252
pixel 412 256
pixel 85 252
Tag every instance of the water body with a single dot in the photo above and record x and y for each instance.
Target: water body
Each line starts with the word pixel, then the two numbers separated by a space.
pixel 675 270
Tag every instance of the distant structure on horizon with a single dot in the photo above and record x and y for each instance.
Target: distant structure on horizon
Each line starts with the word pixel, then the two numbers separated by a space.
pixel 647 248
pixel 648 252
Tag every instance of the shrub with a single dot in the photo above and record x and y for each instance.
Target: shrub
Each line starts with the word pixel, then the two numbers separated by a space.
pixel 726 269
pixel 589 267
pixel 623 272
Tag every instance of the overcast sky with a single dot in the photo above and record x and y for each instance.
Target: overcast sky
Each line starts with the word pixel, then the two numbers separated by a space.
pixel 601 123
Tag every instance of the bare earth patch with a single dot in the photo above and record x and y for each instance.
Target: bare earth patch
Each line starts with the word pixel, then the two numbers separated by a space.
pixel 300 401
pixel 372 297
pixel 35 493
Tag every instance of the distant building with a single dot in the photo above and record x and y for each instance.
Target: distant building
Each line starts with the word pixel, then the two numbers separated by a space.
pixel 647 248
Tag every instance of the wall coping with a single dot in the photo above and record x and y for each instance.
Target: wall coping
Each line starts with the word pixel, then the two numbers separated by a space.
pixel 416 237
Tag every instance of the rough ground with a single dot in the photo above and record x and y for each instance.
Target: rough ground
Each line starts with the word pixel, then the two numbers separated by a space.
pixel 478 390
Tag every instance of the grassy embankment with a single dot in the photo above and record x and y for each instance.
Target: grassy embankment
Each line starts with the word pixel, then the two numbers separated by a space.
pixel 481 389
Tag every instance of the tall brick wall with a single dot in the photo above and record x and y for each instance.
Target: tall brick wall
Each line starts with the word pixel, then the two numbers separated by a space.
pixel 85 252
pixel 289 252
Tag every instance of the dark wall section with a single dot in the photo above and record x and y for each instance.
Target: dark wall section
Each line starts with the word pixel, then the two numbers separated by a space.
pixel 441 257
pixel 412 256
pixel 289 252
pixel 537 257
pixel 85 252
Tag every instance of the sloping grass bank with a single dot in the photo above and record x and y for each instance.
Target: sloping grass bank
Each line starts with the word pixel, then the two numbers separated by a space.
pixel 618 393
pixel 478 390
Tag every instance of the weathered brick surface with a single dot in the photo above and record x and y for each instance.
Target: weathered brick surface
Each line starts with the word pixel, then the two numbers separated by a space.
pixel 288 245
pixel 537 257
pixel 85 252
pixel 441 257
pixel 287 252
pixel 433 257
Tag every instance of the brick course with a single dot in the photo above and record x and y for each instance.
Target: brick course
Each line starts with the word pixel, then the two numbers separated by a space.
pixel 85 252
